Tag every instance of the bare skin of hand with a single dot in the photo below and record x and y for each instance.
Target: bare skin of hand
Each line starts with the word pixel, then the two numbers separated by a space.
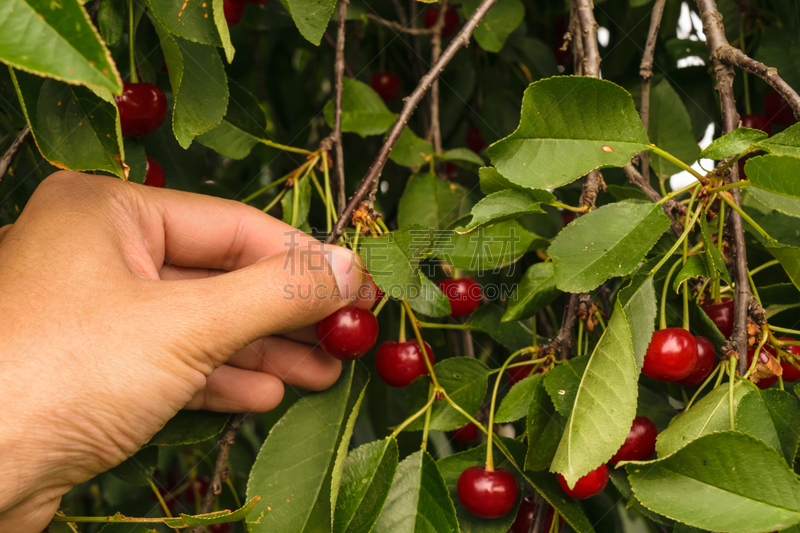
pixel 121 304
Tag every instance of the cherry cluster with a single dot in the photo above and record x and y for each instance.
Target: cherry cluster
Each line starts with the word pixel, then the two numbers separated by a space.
pixel 142 110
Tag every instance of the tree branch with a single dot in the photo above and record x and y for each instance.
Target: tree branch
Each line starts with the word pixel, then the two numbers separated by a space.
pixel 716 40
pixel 411 102
pixel 337 114
pixel 13 150
pixel 591 52
pixel 563 341
pixel 646 73
pixel 400 27
pixel 221 466
pixel 436 51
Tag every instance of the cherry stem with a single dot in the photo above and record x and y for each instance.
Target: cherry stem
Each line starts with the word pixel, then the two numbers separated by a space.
pixel 417 334
pixel 762 267
pixel 286 148
pixel 567 207
pixel 703 386
pixel 736 184
pixel 761 343
pixel 533 331
pixel 753 287
pixel 262 190
pixel 745 216
pixel 381 304
pixel 671 158
pixel 532 362
pixel 325 197
pixel 444 326
pixel 599 318
pixel 329 209
pixel 732 363
pixel 403 325
pixel 413 417
pixel 382 224
pixel 663 320
pixel 354 243
pixel 680 240
pixel 427 426
pixel 161 501
pixel 720 229
pixel 489 454
pixel 275 200
pixel 580 337
pixel 131 39
pixel 784 330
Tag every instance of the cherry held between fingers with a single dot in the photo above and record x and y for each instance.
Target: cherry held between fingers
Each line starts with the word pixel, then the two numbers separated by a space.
pixel 400 363
pixel 671 355
pixel 488 494
pixel 640 444
pixel 142 108
pixel 706 359
pixel 464 295
pixel 349 333
pixel 592 483
pixel 154 174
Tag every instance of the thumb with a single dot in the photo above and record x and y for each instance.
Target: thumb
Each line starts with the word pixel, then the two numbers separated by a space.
pixel 279 293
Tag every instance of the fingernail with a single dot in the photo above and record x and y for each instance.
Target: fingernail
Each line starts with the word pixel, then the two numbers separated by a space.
pixel 347 270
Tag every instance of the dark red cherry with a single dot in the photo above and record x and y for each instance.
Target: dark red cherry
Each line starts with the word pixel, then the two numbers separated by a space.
pixel 154 174
pixel 763 358
pixel 518 373
pixel 721 314
pixel 592 483
pixel 475 140
pixel 525 515
pixel 386 84
pixel 563 57
pixel 450 169
pixel 487 494
pixel 348 333
pixel 234 11
pixel 467 434
pixel 201 483
pixel 777 110
pixel 464 295
pixel 757 122
pixel 227 527
pixel 671 355
pixel 706 359
pixel 400 363
pixel 142 108
pixel 790 373
pixel 450 20
pixel 567 216
pixel 256 1
pixel 640 444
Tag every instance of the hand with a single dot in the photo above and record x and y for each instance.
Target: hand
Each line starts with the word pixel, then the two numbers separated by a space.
pixel 121 304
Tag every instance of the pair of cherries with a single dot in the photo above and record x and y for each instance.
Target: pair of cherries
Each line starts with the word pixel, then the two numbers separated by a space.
pixel 790 372
pixel 675 355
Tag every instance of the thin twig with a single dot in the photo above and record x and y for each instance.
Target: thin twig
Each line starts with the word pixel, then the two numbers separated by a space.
pixel 337 113
pixel 221 466
pixel 403 28
pixel 411 102
pixel 646 73
pixel 401 13
pixel 13 150
pixel 331 42
pixel 563 341
pixel 576 38
pixel 436 51
pixel 716 40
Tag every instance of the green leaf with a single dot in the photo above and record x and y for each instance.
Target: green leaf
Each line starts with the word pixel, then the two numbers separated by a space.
pixel 563 381
pixel 516 403
pixel 714 258
pixel 311 17
pixel 363 111
pixel 782 204
pixel 639 303
pixel 112 15
pixel 721 482
pixel 137 469
pixel 431 301
pixel 773 416
pixel 199 86
pixel 544 427
pixel 670 129
pixel 779 297
pixel 193 20
pixel 547 485
pixel 367 478
pixel 779 49
pixel 512 335
pixel 56 40
pixel 775 173
pixel 136 159
pixel 418 500
pixel 708 415
pixel 566 122
pixel 243 126
pixel 704 326
pixel 126 528
pixel 608 242
pixel 625 193
pixel 410 150
pixel 487 248
pixel 451 468
pixel 695 267
pixel 789 258
pixel 303 189
pixel 465 379
pixel 462 156
pixel 432 202
pixel 786 142
pixel 620 480
pixel 74 127
pixel 535 291
pixel 492 181
pixel 189 427
pixel 392 260
pixel 494 28
pixel 605 404
pixel 655 407
pixel 505 205
pixel 221 25
pixel 294 469
pixel 733 143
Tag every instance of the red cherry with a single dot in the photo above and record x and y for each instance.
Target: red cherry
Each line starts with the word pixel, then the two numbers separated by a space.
pixel 671 355
pixel 763 358
pixel 256 1
pixel 142 108
pixel 202 483
pixel 640 444
pixel 154 174
pixel 348 333
pixel 234 11
pixel 527 509
pixel 400 363
pixel 518 373
pixel 777 110
pixel 450 169
pixel 466 434
pixel 790 373
pixel 757 122
pixel 706 359
pixel 592 483
pixel 386 84
pixel 567 216
pixel 721 314
pixel 487 494
pixel 451 20
pixel 475 140
pixel 464 295
pixel 227 527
